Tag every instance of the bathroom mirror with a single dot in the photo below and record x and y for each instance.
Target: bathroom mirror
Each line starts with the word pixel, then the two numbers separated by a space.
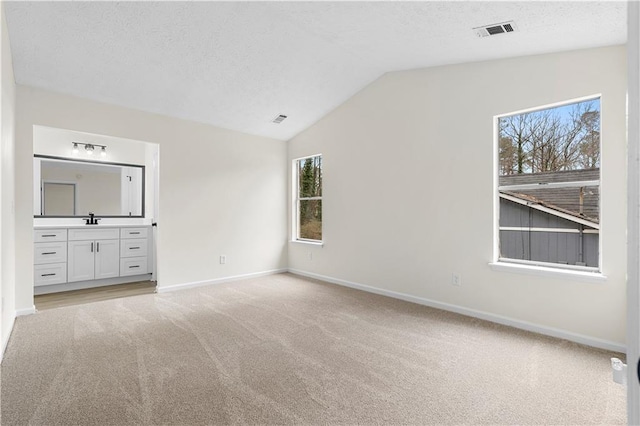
pixel 65 187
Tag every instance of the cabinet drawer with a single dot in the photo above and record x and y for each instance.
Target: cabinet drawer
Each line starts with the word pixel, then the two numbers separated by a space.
pixel 47 235
pixel 133 232
pixel 54 273
pixel 133 248
pixel 133 266
pixel 94 234
pixel 50 253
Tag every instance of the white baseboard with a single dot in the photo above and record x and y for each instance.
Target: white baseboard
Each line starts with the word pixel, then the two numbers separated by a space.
pixel 5 341
pixel 499 319
pixel 27 311
pixel 165 289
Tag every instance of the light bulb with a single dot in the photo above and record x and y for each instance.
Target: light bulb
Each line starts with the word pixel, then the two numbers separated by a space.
pixel 89 149
pixel 103 151
pixel 75 148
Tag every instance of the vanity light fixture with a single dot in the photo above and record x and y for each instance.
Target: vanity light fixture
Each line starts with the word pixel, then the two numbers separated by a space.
pixel 89 148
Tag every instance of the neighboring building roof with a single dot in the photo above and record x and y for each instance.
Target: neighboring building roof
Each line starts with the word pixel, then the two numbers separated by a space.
pixel 536 204
pixel 564 200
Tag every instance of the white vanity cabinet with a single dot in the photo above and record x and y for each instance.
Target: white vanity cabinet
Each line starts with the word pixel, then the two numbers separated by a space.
pixel 50 257
pixel 90 256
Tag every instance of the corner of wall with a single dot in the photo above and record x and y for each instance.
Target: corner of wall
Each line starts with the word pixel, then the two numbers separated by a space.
pixel 7 182
pixel 5 338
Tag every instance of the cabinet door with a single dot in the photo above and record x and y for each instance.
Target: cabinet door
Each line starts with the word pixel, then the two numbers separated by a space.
pixel 107 258
pixel 80 261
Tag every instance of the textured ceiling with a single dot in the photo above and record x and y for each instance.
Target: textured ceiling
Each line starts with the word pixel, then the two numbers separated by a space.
pixel 237 65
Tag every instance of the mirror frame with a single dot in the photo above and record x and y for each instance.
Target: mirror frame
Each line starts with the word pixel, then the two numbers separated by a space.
pixel 142 182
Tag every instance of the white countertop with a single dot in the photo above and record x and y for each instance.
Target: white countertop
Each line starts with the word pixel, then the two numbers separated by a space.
pixel 75 226
pixel 78 222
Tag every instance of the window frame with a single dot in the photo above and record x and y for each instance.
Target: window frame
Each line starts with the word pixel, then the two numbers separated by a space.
pixel 297 199
pixel 531 266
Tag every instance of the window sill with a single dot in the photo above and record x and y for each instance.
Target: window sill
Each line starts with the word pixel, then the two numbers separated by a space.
pixel 311 243
pixel 542 271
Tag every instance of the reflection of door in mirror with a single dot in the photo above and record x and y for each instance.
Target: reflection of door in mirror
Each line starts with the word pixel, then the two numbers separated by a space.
pixel 58 198
pixel 131 185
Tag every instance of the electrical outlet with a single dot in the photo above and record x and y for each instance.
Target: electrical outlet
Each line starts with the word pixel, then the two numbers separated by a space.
pixel 455 279
pixel 223 259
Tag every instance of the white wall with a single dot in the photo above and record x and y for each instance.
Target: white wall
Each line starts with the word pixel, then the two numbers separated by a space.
pixel 7 214
pixel 58 143
pixel 408 188
pixel 221 192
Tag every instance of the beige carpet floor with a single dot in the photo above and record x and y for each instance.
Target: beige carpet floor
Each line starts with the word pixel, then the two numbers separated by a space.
pixel 288 350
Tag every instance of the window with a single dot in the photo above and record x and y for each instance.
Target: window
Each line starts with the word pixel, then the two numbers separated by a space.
pixel 549 186
pixel 309 198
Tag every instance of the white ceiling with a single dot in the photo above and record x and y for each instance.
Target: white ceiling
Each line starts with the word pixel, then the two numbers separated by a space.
pixel 237 65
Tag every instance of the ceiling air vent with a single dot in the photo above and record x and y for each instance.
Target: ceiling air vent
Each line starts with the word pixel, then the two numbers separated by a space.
pixel 495 29
pixel 279 119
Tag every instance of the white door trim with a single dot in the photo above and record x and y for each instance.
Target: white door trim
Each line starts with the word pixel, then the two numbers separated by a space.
pixel 633 213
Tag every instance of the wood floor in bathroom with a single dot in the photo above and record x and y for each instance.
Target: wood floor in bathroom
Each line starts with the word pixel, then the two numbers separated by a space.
pixel 79 297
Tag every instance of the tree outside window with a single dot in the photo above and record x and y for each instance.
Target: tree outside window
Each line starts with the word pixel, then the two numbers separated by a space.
pixel 309 198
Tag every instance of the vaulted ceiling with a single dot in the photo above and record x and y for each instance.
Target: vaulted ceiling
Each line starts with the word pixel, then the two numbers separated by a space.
pixel 238 65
